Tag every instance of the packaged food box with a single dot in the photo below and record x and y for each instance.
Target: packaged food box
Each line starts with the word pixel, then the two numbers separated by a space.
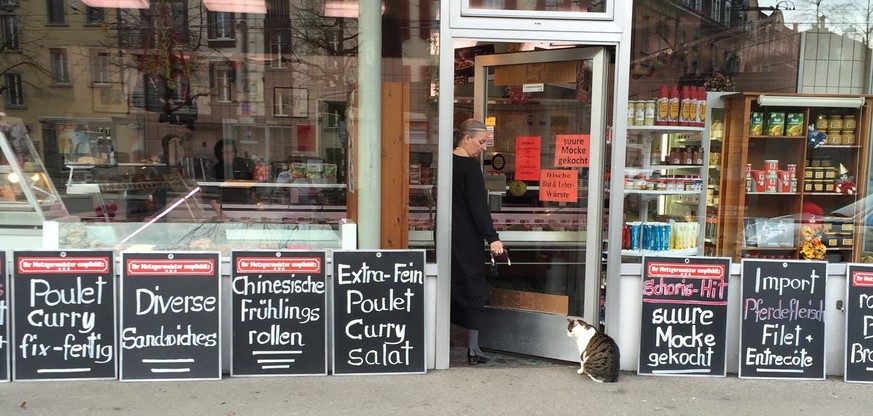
pixel 775 124
pixel 829 172
pixel 794 124
pixel 756 124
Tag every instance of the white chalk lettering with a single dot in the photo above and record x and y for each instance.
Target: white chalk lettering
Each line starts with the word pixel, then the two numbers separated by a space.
pixel 78 295
pixel 355 298
pixel 84 321
pixel 780 283
pixel 243 285
pixel 275 336
pixel 148 301
pixel 188 338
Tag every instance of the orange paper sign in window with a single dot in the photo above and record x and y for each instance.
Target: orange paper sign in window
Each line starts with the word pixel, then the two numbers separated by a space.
pixel 559 185
pixel 527 158
pixel 572 150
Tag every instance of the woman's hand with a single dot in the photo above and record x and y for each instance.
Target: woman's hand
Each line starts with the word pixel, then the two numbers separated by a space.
pixel 497 247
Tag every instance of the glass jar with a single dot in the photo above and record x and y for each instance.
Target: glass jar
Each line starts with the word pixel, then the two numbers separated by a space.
pixel 834 137
pixel 821 123
pixel 848 136
pixel 849 122
pixel 835 122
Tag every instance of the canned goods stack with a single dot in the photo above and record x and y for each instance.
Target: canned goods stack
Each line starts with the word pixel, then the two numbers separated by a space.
pixel 660 236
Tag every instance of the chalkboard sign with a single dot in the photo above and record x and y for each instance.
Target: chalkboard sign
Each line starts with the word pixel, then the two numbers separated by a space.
pixel 63 308
pixel 378 312
pixel 859 324
pixel 279 313
pixel 683 329
pixel 5 372
pixel 782 329
pixel 170 316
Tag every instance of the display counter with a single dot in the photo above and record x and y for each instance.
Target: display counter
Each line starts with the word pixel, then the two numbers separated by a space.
pixel 69 233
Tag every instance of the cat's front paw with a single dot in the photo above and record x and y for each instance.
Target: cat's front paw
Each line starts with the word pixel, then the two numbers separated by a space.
pixel 579 371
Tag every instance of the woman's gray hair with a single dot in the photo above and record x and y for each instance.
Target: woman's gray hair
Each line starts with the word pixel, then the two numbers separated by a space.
pixel 469 127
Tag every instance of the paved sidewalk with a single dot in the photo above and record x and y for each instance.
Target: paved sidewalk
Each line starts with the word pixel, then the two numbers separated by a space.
pixel 493 389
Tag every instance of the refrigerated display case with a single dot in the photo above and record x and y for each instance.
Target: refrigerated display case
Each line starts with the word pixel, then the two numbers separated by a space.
pixel 27 196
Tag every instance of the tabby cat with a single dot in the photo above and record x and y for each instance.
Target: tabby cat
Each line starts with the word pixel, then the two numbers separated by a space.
pixel 598 352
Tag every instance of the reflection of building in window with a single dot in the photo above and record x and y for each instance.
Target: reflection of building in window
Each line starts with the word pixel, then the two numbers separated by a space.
pixel 282 102
pixel 220 25
pixel 9 31
pixel 14 89
pixel 95 15
pixel 55 13
pixel 278 47
pixel 100 69
pixel 223 76
pixel 60 71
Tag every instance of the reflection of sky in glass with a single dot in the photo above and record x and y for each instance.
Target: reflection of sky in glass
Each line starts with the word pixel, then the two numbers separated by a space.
pixel 841 16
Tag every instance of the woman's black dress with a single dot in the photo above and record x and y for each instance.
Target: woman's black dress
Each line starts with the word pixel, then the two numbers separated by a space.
pixel 471 224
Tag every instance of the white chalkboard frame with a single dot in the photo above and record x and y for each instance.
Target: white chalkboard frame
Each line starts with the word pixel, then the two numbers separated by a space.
pixel 720 371
pixel 325 314
pixel 7 333
pixel 120 314
pixel 332 308
pixel 850 311
pixel 115 317
pixel 821 264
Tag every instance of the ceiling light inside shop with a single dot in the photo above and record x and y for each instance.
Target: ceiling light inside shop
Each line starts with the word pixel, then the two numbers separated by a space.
pixel 343 8
pixel 118 4
pixel 805 101
pixel 237 6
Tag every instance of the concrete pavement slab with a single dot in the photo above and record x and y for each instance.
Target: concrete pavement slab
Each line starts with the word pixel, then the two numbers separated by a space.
pixel 462 390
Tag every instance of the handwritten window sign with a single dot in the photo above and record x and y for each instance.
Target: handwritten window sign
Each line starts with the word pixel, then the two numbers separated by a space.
pixel 782 330
pixel 64 315
pixel 527 158
pixel 378 312
pixel 683 330
pixel 170 316
pixel 559 185
pixel 279 302
pixel 859 325
pixel 5 373
pixel 572 150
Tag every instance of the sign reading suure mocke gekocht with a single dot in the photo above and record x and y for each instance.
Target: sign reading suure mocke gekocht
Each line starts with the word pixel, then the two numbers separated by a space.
pixel 64 315
pixel 170 316
pixel 378 312
pixel 279 302
pixel 782 327
pixel 684 316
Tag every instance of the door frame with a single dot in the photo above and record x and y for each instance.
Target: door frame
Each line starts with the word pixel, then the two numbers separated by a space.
pixel 595 204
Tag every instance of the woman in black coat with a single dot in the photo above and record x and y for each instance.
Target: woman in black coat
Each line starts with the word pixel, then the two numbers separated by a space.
pixel 471 225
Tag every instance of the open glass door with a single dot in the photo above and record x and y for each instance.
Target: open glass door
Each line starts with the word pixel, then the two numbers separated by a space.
pixel 544 172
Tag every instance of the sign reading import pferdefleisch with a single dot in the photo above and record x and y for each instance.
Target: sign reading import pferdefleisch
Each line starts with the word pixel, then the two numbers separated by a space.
pixel 279 302
pixel 782 328
pixel 64 315
pixel 170 316
pixel 378 312
pixel 684 316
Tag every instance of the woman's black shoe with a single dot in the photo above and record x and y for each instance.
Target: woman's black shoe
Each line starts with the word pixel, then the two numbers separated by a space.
pixel 473 358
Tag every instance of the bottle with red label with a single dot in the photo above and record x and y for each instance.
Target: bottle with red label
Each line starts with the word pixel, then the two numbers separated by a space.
pixel 673 100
